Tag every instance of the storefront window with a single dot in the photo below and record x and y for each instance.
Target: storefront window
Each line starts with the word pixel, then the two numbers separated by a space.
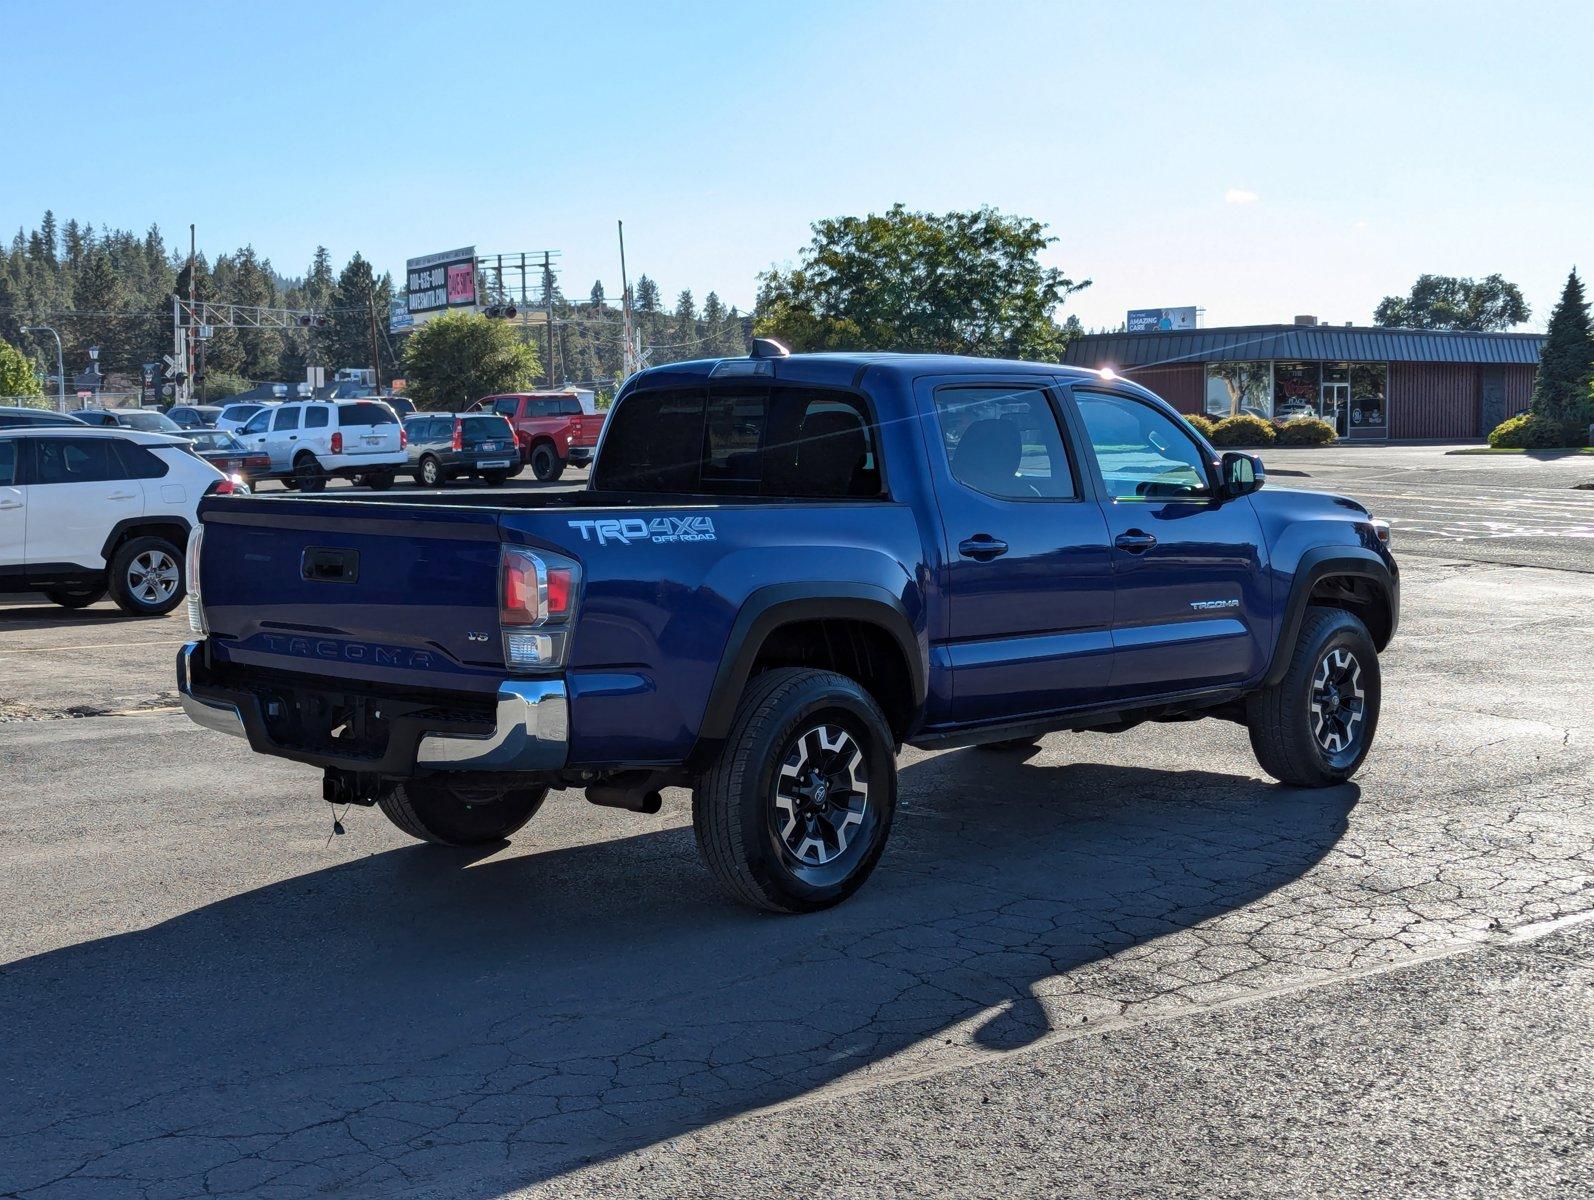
pixel 1368 389
pixel 1240 387
pixel 1294 390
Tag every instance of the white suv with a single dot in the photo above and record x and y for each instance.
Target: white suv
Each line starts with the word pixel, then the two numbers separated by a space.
pixel 310 441
pixel 84 511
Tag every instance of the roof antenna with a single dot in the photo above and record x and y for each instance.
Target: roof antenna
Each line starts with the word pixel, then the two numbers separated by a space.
pixel 768 348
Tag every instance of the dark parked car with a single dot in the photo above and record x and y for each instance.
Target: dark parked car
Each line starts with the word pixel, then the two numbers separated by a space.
pixel 195 416
pixel 444 446
pixel 11 417
pixel 228 455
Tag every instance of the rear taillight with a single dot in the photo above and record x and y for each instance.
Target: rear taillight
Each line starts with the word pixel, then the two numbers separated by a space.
pixel 404 438
pixel 459 436
pixel 232 485
pixel 537 602
pixel 337 442
pixel 196 608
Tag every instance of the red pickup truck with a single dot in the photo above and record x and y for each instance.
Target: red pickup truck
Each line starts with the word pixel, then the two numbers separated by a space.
pixel 550 428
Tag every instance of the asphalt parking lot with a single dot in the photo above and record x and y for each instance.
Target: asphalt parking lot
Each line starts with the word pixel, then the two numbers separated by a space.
pixel 1116 966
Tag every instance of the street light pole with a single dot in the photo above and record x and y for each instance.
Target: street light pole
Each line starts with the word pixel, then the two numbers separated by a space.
pixel 60 369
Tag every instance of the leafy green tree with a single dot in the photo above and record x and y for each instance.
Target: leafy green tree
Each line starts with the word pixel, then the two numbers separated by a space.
pixel 16 373
pixel 1447 302
pixel 953 283
pixel 454 360
pixel 1561 392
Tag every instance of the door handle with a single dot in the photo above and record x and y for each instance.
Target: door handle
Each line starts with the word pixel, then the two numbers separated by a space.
pixel 1135 541
pixel 982 547
pixel 10 504
pixel 121 496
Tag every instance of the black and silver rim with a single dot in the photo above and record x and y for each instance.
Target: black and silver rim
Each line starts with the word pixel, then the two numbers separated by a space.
pixel 821 808
pixel 1339 702
pixel 153 577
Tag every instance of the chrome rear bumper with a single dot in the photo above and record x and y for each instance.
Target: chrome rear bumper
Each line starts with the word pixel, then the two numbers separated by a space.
pixel 531 727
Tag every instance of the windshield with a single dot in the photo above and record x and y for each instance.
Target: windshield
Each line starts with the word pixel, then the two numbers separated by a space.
pixel 148 422
pixel 214 439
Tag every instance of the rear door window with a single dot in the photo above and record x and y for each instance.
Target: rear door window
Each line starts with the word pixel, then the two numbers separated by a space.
pixel 287 418
pixel 1004 441
pixel 315 418
pixel 8 461
pixel 76 460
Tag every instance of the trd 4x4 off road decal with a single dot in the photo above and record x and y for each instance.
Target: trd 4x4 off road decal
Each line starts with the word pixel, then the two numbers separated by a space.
pixel 659 530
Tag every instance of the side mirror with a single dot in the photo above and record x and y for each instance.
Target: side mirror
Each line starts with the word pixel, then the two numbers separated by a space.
pixel 1242 474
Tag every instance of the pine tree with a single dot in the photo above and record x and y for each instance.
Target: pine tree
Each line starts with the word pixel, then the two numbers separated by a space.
pixel 1567 364
pixel 596 296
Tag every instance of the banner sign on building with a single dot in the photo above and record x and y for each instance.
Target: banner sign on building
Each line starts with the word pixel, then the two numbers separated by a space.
pixel 440 281
pixel 1150 320
pixel 398 316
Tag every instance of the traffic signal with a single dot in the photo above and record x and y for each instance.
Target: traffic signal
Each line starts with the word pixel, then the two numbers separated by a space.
pixel 506 311
pixel 312 321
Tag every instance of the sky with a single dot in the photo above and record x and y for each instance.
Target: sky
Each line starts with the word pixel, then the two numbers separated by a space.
pixel 1258 161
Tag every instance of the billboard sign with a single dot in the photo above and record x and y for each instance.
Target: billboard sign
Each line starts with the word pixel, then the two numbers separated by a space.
pixel 435 282
pixel 1151 320
pixel 398 316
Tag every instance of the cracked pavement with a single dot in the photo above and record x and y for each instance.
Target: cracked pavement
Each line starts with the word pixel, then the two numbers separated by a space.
pixel 1107 966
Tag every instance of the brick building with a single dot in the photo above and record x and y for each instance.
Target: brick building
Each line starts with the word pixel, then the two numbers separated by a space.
pixel 1372 384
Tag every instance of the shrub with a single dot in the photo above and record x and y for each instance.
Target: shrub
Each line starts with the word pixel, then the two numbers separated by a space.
pixel 1531 431
pixel 1306 431
pixel 1200 424
pixel 1242 429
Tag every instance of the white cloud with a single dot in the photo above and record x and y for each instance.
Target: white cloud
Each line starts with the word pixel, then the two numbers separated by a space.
pixel 1240 196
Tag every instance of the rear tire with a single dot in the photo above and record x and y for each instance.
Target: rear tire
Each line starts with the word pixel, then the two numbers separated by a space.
pixel 1315 727
pixel 429 472
pixel 76 597
pixel 545 464
pixel 795 812
pixel 146 577
pixel 455 815
pixel 309 474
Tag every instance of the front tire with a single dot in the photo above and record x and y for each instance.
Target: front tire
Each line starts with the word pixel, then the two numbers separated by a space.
pixel 80 597
pixel 1315 727
pixel 795 812
pixel 379 481
pixel 146 577
pixel 448 814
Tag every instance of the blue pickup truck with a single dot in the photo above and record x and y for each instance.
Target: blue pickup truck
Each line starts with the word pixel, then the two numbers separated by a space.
pixel 784 568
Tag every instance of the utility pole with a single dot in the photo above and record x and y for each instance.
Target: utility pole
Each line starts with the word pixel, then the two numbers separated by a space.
pixel 370 307
pixel 627 353
pixel 180 394
pixel 547 304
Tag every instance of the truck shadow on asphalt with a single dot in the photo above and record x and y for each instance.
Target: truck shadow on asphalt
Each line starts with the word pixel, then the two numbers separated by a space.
pixel 425 1017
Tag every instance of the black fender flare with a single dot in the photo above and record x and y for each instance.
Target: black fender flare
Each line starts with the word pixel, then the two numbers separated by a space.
pixel 152 525
pixel 1316 565
pixel 770 607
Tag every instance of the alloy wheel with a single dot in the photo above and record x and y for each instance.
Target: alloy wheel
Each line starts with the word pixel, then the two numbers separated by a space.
pixel 1339 701
pixel 153 577
pixel 821 795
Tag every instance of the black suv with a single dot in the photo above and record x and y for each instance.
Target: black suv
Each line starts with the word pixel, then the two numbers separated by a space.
pixel 444 446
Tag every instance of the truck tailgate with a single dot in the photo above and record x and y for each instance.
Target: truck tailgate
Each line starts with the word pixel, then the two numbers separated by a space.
pixel 373 593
